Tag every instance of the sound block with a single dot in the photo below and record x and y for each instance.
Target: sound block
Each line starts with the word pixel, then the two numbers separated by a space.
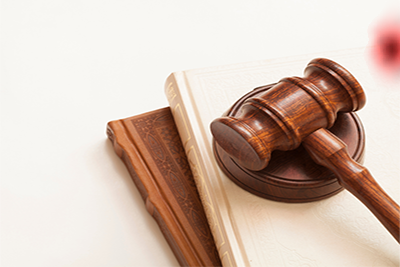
pixel 292 176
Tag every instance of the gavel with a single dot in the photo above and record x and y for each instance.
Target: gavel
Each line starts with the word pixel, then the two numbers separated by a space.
pixel 299 111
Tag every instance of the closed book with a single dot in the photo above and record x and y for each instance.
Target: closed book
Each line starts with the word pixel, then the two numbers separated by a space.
pixel 152 151
pixel 253 231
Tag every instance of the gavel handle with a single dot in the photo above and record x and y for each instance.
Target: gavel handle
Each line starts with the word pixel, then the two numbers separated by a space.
pixel 328 150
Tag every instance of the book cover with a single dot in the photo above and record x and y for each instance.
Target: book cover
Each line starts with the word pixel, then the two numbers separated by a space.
pixel 152 151
pixel 252 231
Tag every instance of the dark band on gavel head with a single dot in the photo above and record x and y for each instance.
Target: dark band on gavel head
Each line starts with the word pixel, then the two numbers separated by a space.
pixel 280 118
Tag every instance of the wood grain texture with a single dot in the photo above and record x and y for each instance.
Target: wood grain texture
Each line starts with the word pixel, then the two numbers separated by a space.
pixel 281 117
pixel 328 150
pixel 292 176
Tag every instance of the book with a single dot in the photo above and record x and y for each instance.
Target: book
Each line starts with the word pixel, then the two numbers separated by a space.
pixel 252 231
pixel 152 151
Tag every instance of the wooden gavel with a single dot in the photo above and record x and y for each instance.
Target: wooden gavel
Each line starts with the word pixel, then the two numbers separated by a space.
pixel 298 111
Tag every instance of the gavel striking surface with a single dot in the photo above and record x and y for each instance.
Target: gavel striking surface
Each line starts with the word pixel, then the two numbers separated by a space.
pixel 292 176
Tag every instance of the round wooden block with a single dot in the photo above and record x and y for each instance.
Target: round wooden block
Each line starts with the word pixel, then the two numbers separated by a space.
pixel 292 176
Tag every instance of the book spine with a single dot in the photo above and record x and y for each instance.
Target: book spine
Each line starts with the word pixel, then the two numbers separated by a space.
pixel 186 133
pixel 139 170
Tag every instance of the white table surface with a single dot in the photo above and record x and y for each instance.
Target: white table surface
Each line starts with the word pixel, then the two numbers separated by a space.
pixel 69 67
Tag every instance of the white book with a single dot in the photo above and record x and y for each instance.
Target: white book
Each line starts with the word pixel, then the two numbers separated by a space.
pixel 252 231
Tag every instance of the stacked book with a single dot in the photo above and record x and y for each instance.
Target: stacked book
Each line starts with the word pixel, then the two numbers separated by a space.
pixel 209 221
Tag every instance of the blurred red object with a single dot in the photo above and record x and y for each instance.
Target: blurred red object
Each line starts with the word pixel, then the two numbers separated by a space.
pixel 386 46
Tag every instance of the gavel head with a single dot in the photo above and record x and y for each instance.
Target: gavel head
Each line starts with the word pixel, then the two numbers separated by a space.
pixel 288 112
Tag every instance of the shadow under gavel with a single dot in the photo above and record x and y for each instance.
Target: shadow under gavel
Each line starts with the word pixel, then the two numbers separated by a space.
pixel 298 111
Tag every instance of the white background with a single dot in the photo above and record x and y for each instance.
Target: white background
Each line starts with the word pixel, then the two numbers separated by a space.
pixel 69 67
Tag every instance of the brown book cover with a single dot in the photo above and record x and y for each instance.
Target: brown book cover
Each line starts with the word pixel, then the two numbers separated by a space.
pixel 152 151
